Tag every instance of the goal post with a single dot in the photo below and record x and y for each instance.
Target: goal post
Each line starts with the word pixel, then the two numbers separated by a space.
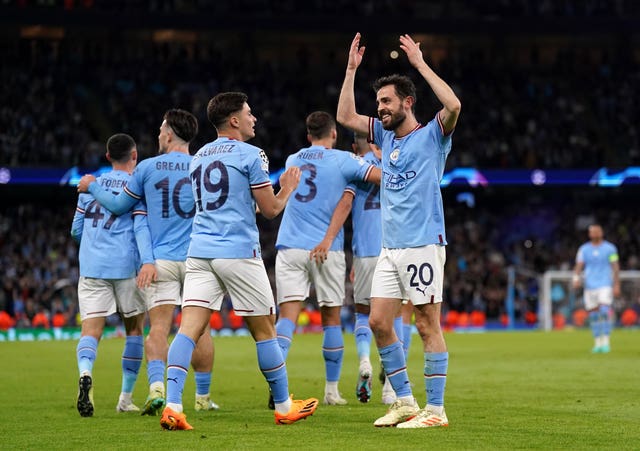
pixel 558 295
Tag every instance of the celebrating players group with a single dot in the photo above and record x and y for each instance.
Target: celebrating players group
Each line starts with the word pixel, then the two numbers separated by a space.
pixel 181 230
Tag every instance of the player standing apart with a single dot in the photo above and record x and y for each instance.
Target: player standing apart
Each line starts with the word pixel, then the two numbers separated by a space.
pixel 599 260
pixel 411 264
pixel 162 183
pixel 326 173
pixel 228 178
pixel 108 263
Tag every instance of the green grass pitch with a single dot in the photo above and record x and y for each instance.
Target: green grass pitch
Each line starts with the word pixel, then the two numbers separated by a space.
pixel 504 391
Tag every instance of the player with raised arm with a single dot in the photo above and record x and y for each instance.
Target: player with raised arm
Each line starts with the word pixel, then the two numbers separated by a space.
pixel 108 262
pixel 362 200
pixel 600 262
pixel 163 184
pixel 326 173
pixel 411 263
pixel 229 177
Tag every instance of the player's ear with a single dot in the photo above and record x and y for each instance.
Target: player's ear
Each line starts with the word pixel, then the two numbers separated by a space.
pixel 108 157
pixel 309 137
pixel 409 101
pixel 234 122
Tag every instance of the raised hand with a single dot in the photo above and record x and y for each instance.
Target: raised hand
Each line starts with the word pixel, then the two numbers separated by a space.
pixel 355 53
pixel 412 49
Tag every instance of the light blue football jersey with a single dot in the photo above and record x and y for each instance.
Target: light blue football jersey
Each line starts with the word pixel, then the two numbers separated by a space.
pixel 597 261
pixel 107 243
pixel 223 173
pixel 325 175
pixel 412 168
pixel 365 215
pixel 163 183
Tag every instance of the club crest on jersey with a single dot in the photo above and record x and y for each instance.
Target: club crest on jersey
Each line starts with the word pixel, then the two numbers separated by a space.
pixel 395 154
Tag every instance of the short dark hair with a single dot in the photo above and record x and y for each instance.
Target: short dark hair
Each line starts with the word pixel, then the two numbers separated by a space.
pixel 223 105
pixel 183 123
pixel 320 124
pixel 119 147
pixel 403 85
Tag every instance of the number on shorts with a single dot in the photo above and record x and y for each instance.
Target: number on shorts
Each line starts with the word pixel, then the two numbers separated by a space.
pixel 419 273
pixel 313 189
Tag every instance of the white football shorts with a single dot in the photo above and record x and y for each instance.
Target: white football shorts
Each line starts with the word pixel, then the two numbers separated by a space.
pixel 244 279
pixel 295 272
pixel 167 289
pixel 99 298
pixel 597 296
pixel 415 273
pixel 363 270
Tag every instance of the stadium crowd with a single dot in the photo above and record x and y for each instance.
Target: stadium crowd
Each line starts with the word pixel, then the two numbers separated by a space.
pixel 569 108
pixel 39 260
pixel 432 9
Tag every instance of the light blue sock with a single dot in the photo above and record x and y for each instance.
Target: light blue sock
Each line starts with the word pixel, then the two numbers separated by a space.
pixel 406 339
pixel 395 368
pixel 363 334
pixel 155 371
pixel 594 322
pixel 203 383
pixel 273 368
pixel 86 353
pixel 397 326
pixel 332 351
pixel 284 330
pixel 131 361
pixel 178 360
pixel 435 376
pixel 605 322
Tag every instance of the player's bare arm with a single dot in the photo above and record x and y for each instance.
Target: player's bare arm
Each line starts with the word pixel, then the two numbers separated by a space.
pixel 270 204
pixel 85 181
pixel 340 215
pixel 450 102
pixel 577 280
pixel 346 114
pixel 616 278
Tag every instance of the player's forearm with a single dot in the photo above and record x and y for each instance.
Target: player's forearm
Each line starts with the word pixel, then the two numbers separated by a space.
pixel 346 112
pixel 440 88
pixel 340 215
pixel 116 204
pixel 279 202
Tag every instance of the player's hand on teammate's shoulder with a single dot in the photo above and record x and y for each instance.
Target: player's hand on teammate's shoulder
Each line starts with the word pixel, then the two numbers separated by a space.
pixel 412 49
pixel 85 181
pixel 290 178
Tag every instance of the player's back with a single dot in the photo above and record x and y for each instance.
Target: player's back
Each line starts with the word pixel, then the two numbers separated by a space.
pixel 365 215
pixel 107 247
pixel 165 181
pixel 325 174
pixel 223 173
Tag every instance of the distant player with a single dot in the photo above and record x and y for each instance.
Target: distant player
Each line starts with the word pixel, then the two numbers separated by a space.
pixel 362 200
pixel 411 264
pixel 163 184
pixel 229 177
pixel 326 172
pixel 599 260
pixel 108 263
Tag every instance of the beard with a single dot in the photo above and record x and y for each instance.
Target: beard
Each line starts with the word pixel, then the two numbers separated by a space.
pixel 394 121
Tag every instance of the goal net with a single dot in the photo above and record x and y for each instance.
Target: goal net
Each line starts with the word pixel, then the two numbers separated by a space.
pixel 557 296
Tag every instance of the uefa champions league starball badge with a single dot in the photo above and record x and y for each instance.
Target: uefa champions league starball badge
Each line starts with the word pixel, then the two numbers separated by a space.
pixel 394 154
